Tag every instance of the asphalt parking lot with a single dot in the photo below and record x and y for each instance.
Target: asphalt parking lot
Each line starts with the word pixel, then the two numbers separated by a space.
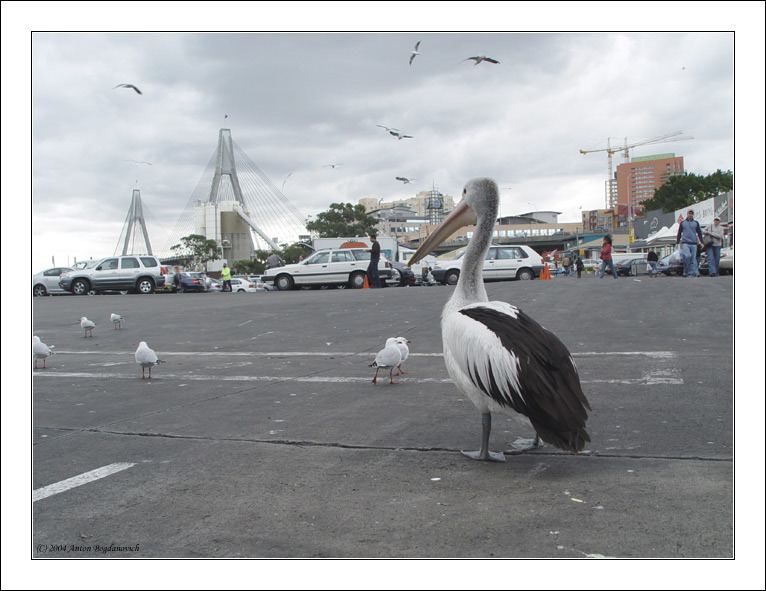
pixel 262 435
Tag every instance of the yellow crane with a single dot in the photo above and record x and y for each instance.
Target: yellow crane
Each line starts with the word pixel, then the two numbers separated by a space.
pixel 611 188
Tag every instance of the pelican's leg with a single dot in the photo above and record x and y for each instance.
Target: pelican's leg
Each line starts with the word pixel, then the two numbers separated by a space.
pixel 526 444
pixel 484 453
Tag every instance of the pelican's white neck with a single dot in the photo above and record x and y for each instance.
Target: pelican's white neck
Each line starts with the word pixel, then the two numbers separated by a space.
pixel 470 286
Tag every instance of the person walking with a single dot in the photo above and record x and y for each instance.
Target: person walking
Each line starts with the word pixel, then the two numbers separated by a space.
pixel 689 235
pixel 579 266
pixel 373 275
pixel 177 280
pixel 565 264
pixel 226 278
pixel 714 233
pixel 606 257
pixel 651 261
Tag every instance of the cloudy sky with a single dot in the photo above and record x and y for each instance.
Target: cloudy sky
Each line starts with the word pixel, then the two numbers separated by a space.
pixel 297 102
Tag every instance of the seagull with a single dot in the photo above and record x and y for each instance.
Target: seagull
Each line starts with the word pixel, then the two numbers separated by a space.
pixel 146 357
pixel 284 181
pixel 116 320
pixel 481 58
pixel 41 351
pixel 328 166
pixel 398 134
pixel 137 162
pixel 406 181
pixel 128 86
pixel 415 53
pixel 499 357
pixel 87 325
pixel 401 343
pixel 389 357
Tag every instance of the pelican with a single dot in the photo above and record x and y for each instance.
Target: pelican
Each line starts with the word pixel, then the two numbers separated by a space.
pixel 128 86
pixel 401 343
pixel 41 351
pixel 146 357
pixel 87 325
pixel 481 58
pixel 116 320
pixel 415 53
pixel 497 355
pixel 388 357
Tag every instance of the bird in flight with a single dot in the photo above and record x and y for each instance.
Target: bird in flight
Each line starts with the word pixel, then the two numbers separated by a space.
pixel 405 180
pixel 329 166
pixel 415 53
pixel 137 162
pixel 481 58
pixel 394 132
pixel 128 86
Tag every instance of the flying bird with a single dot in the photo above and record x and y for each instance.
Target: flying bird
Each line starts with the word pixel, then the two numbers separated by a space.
pixel 87 326
pixel 394 131
pixel 137 162
pixel 405 180
pixel 284 181
pixel 41 351
pixel 128 86
pixel 387 358
pixel 146 357
pixel 329 166
pixel 499 357
pixel 401 343
pixel 481 58
pixel 116 320
pixel 415 53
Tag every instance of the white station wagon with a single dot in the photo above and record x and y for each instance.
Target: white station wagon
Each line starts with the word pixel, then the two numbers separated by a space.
pixel 333 266
pixel 501 262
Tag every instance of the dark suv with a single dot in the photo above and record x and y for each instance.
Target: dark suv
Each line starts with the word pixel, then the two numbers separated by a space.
pixel 139 273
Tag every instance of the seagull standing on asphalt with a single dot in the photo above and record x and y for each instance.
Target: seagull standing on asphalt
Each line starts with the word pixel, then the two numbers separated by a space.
pixel 402 343
pixel 415 53
pixel 128 86
pixel 87 326
pixel 146 357
pixel 41 351
pixel 116 320
pixel 387 358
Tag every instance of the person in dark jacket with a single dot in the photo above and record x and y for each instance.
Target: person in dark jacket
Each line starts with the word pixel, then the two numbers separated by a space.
pixel 373 275
pixel 651 261
pixel 579 266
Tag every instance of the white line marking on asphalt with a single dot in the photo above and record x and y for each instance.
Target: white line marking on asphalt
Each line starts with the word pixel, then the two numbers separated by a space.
pixel 658 354
pixel 64 485
pixel 647 380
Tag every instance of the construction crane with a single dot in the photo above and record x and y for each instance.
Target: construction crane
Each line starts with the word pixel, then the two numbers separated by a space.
pixel 610 184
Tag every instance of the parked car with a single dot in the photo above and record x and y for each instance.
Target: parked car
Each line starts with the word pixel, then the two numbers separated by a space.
pixel 193 282
pixel 331 266
pixel 501 262
pixel 625 267
pixel 47 281
pixel 140 273
pixel 242 285
pixel 665 266
pixel 727 260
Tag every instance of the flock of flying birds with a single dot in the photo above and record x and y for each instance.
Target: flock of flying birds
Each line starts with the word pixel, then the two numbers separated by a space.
pixel 145 356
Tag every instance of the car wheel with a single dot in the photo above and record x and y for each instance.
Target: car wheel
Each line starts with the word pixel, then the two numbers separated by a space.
pixel 356 281
pixel 240 291
pixel 452 277
pixel 284 283
pixel 39 291
pixel 525 274
pixel 80 287
pixel 145 286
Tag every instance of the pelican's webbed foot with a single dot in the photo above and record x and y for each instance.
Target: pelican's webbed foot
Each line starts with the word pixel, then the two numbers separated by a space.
pixel 522 445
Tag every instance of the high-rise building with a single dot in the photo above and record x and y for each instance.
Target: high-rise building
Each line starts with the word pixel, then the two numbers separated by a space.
pixel 638 179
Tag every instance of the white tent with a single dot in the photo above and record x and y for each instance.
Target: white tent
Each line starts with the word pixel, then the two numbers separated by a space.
pixel 664 236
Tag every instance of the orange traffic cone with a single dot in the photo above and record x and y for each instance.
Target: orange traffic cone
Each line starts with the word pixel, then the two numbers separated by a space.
pixel 545 273
pixel 366 283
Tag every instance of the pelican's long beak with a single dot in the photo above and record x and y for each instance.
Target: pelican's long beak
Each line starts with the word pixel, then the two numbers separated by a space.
pixel 461 216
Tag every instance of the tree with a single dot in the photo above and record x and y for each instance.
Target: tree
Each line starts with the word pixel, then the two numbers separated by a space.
pixel 198 248
pixel 682 191
pixel 343 219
